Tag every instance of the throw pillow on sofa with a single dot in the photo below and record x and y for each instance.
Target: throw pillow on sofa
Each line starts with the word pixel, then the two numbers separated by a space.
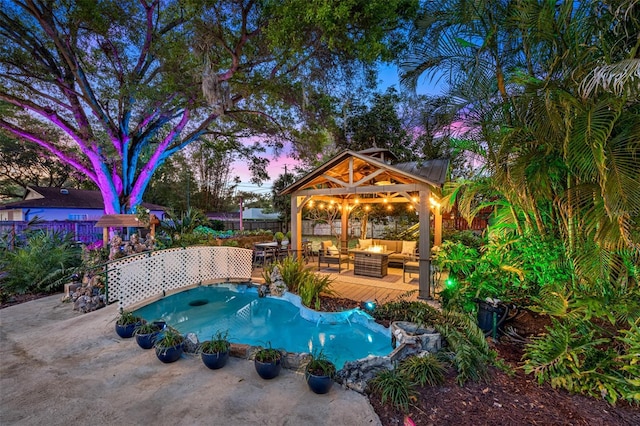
pixel 409 247
pixel 329 248
pixel 365 244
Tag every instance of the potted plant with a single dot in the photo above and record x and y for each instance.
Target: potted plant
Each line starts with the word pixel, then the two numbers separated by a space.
pixel 278 236
pixel 169 345
pixel 147 333
pixel 268 362
pixel 126 324
pixel 319 373
pixel 215 352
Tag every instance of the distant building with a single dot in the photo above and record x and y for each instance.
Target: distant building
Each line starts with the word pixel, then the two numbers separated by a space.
pixel 257 214
pixel 252 219
pixel 61 204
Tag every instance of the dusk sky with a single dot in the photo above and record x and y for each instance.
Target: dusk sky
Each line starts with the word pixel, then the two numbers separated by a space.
pixel 388 77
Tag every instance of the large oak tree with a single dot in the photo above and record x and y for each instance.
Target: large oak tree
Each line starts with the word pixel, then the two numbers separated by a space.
pixel 131 83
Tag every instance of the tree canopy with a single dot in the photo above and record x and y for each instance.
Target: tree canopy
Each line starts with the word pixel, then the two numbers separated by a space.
pixel 130 83
pixel 549 96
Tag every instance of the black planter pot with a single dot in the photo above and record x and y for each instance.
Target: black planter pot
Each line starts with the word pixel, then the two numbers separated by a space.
pixel 168 355
pixel 126 331
pixel 268 370
pixel 146 341
pixel 215 360
pixel 490 316
pixel 319 384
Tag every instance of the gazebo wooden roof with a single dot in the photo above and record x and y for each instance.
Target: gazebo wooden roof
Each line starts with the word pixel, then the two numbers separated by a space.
pixel 124 221
pixel 369 177
pixel 119 221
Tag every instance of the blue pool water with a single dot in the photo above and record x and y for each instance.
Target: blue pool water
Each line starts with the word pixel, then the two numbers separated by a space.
pixel 259 321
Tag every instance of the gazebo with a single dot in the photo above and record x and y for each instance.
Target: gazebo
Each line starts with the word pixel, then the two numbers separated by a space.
pixel 351 178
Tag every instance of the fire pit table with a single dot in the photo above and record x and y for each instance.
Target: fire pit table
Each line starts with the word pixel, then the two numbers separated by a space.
pixel 370 263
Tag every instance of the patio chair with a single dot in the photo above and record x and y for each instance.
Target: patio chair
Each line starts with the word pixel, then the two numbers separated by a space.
pixel 262 255
pixel 330 255
pixel 410 265
pixel 282 252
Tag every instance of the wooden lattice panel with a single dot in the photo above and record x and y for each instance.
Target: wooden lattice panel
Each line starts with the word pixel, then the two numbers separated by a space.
pixel 131 281
pixel 174 273
pixel 112 283
pixel 239 264
pixel 152 283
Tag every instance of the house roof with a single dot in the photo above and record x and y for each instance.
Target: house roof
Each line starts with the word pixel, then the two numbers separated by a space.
pixel 47 197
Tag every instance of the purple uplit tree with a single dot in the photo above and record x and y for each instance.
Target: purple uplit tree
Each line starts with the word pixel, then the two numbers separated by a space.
pixel 130 83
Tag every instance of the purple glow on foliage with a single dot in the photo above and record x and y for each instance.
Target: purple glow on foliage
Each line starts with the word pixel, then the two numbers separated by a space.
pixel 95 246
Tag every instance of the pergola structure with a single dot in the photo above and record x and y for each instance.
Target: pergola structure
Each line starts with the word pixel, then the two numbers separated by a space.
pixel 355 178
pixel 124 221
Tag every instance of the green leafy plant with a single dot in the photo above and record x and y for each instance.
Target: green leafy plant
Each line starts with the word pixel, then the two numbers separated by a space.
pixel 404 310
pixel 147 328
pixel 180 232
pixel 293 271
pixel 268 354
pixel 583 354
pixel 278 236
pixel 393 386
pixel 424 370
pixel 312 287
pixel 41 263
pixel 467 348
pixel 128 318
pixel 169 338
pixel 219 343
pixel 320 365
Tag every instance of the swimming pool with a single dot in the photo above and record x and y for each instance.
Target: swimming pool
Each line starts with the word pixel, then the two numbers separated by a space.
pixel 260 321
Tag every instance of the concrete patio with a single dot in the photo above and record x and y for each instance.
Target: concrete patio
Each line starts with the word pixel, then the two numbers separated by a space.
pixel 60 367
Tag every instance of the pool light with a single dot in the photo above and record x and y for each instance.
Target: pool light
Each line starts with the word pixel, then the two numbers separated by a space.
pixel 369 305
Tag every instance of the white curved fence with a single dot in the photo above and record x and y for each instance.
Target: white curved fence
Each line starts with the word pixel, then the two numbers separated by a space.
pixel 138 277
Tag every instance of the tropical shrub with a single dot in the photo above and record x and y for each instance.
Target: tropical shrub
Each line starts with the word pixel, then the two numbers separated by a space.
pixel 466 348
pixel 42 263
pixel 593 343
pixel 312 287
pixel 293 271
pixel 175 232
pixel 510 268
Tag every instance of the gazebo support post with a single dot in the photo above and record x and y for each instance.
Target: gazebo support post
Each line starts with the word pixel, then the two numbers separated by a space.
pixel 344 222
pixel 296 225
pixel 424 287
pixel 437 232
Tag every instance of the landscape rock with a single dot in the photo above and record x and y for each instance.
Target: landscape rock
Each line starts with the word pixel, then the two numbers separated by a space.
pixel 356 374
pixel 191 343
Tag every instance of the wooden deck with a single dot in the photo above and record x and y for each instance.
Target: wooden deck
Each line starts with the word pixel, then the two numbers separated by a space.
pixel 364 289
